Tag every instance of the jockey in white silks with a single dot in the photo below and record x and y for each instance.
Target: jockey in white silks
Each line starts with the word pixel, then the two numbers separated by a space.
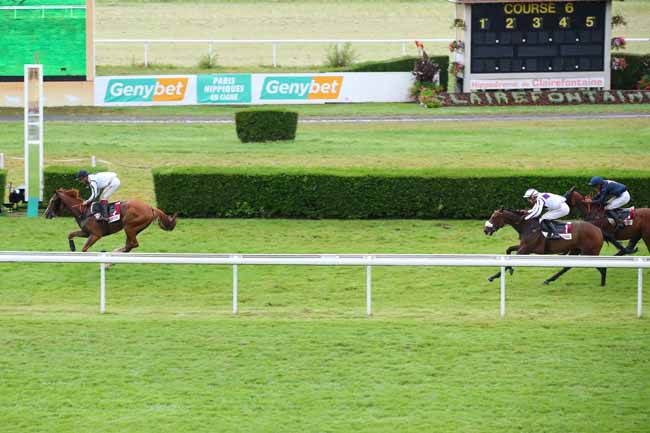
pixel 107 182
pixel 556 205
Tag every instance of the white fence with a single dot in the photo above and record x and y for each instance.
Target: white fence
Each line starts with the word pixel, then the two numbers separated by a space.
pixel 367 260
pixel 275 43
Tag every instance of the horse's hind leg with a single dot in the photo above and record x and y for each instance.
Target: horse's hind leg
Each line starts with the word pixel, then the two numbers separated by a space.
pixel 603 276
pixel 72 235
pixel 508 268
pixel 563 271
pixel 89 243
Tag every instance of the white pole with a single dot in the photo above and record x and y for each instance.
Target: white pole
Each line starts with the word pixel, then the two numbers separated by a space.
pixel 93 161
pixel 503 291
pixel 275 54
pixel 102 288
pixel 146 54
pixel 369 290
pixel 2 161
pixel 234 289
pixel 403 48
pixel 210 54
pixel 639 296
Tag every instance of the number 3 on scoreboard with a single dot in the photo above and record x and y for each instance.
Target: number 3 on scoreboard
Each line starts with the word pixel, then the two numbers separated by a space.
pixel 537 22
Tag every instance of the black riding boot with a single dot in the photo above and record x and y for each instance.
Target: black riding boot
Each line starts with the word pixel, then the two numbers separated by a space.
pixel 614 215
pixel 548 227
pixel 104 211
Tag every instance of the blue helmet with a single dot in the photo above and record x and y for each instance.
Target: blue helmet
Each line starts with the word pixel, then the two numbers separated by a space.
pixel 596 180
pixel 82 173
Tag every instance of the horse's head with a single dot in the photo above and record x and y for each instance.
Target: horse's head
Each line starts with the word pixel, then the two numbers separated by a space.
pixel 60 200
pixel 500 218
pixel 571 196
pixel 55 206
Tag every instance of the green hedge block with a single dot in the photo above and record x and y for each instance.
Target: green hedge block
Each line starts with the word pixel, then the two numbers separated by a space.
pixel 266 125
pixel 3 182
pixel 296 193
pixel 637 67
pixel 56 177
pixel 402 64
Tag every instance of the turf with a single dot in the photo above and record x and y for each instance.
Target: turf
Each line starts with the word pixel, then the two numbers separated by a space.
pixel 301 355
pixel 587 146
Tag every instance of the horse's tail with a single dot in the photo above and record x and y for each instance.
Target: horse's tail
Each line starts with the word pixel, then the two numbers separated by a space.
pixel 165 222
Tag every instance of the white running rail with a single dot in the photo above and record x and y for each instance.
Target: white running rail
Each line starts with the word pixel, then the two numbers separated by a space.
pixel 367 260
pixel 275 43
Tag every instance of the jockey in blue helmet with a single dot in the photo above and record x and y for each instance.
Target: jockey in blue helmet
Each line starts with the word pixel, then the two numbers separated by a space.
pixel 612 195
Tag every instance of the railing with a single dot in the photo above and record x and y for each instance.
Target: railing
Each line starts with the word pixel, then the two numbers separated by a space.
pixel 275 43
pixel 367 260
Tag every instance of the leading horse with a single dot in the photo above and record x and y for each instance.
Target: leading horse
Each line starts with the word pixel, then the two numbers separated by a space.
pixel 586 239
pixel 136 216
pixel 595 214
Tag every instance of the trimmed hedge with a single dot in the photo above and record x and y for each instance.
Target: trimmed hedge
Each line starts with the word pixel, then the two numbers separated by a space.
pixel 56 177
pixel 637 67
pixel 402 64
pixel 266 125
pixel 3 182
pixel 293 193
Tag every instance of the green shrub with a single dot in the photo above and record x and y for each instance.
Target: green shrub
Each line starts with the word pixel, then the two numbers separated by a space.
pixel 402 64
pixel 637 67
pixel 56 177
pixel 355 194
pixel 340 55
pixel 3 182
pixel 266 125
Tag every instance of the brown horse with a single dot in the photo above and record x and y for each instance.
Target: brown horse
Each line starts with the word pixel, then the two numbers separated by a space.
pixel 595 214
pixel 586 240
pixel 136 216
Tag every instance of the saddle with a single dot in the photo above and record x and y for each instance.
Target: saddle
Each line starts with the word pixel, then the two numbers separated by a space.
pixel 562 231
pixel 114 211
pixel 626 215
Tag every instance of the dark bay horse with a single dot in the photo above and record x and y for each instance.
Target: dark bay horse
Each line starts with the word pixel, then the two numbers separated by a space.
pixel 595 214
pixel 136 216
pixel 586 240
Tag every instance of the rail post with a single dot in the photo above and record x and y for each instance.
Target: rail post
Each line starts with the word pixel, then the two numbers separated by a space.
pixel 234 288
pixel 503 290
pixel 146 54
pixel 102 286
pixel 369 289
pixel 2 161
pixel 639 292
pixel 93 161
pixel 210 54
pixel 275 54
pixel 403 48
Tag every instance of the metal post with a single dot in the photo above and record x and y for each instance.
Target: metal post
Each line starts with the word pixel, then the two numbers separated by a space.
pixel 146 54
pixel 275 54
pixel 210 54
pixel 503 291
pixel 369 290
pixel 234 289
pixel 102 288
pixel 2 161
pixel 93 161
pixel 639 295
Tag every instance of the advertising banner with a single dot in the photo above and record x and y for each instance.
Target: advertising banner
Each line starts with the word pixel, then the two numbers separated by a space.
pixel 254 89
pixel 544 82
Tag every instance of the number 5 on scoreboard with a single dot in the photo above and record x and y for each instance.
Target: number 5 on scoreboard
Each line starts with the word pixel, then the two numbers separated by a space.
pixel 590 22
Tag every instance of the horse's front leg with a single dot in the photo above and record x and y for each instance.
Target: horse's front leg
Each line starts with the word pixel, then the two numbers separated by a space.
pixel 89 243
pixel 510 269
pixel 72 235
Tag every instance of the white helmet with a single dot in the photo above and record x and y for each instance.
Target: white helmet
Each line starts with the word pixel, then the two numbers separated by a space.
pixel 531 192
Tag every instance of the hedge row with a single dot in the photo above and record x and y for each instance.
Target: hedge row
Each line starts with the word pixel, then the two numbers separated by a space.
pixel 637 67
pixel 63 177
pixel 274 193
pixel 402 64
pixel 3 182
pixel 266 125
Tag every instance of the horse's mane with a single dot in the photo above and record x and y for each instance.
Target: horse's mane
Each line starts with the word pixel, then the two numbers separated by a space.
pixel 72 192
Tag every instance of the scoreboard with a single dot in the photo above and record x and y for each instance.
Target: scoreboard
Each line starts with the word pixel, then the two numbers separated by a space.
pixel 544 42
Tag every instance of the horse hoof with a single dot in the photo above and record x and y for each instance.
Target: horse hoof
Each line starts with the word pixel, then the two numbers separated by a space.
pixel 490 279
pixel 547 282
pixel 72 246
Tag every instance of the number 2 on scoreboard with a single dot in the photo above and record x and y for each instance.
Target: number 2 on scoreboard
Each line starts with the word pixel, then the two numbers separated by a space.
pixel 511 23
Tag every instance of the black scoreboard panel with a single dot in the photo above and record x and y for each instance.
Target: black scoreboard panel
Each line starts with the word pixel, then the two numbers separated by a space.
pixel 538 37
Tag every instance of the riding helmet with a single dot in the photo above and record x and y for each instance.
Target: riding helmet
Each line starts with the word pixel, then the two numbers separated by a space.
pixel 530 192
pixel 596 180
pixel 82 173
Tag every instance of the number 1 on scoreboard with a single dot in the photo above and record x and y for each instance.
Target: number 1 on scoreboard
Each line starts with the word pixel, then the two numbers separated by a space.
pixel 485 23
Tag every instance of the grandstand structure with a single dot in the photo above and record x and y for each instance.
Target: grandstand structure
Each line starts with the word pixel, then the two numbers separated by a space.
pixel 57 34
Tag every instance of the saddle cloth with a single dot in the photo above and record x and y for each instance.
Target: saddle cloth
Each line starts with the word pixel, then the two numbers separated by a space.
pixel 562 231
pixel 114 211
pixel 626 215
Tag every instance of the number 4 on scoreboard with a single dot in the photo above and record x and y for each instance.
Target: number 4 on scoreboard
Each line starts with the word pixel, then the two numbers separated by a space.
pixel 565 22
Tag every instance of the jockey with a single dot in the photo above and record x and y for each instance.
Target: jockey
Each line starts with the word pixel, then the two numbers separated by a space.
pixel 613 195
pixel 106 182
pixel 556 205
